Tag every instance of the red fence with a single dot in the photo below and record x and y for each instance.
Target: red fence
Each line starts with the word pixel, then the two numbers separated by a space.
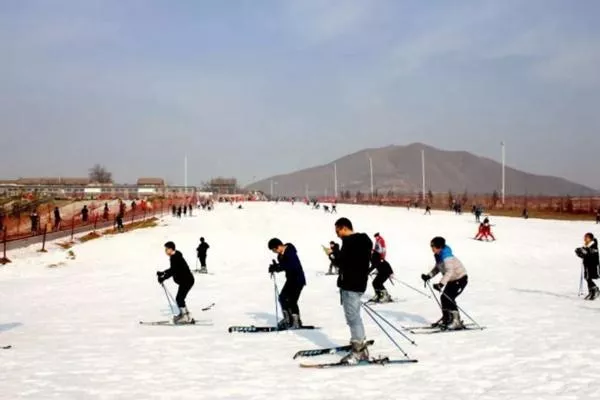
pixel 16 233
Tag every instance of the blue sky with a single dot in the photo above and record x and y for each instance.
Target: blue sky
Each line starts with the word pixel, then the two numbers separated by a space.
pixel 256 88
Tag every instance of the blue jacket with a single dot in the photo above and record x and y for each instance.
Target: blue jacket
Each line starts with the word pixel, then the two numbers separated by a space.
pixel 290 263
pixel 444 254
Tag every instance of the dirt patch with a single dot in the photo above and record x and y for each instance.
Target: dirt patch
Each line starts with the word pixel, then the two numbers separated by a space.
pixel 148 223
pixel 66 245
pixel 56 265
pixel 90 236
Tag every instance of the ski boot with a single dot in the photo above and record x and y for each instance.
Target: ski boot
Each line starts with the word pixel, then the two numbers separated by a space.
pixel 183 317
pixel 376 298
pixel 594 293
pixel 455 323
pixel 296 322
pixel 285 323
pixel 384 297
pixel 203 270
pixel 358 353
pixel 442 322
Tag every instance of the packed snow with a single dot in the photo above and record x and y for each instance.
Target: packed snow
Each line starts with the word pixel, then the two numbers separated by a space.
pixel 75 334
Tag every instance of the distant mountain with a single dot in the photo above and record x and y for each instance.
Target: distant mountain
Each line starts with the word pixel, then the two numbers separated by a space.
pixel 398 168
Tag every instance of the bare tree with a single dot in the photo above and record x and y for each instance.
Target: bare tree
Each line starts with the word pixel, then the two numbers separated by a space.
pixel 100 174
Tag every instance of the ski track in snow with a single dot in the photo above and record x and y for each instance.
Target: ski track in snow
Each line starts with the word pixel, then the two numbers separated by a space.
pixel 75 333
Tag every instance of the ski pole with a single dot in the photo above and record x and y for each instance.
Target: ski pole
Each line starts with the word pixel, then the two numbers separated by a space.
pixel 434 296
pixel 410 287
pixel 581 283
pixel 386 333
pixel 167 294
pixel 463 311
pixel 171 296
pixel 389 323
pixel 276 298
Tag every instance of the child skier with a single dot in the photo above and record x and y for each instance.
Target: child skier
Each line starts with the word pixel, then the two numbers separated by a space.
pixel 454 280
pixel 201 251
pixel 379 252
pixel 485 230
pixel 589 253
pixel 180 271
pixel 288 261
pixel 384 272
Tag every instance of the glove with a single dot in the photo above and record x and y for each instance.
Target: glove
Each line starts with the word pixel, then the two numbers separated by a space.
pixel 272 268
pixel 425 277
pixel 160 276
pixel 438 287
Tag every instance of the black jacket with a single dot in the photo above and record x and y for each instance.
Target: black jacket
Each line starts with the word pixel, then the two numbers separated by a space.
pixel 290 263
pixel 591 259
pixel 354 262
pixel 202 249
pixel 383 268
pixel 180 271
pixel 335 254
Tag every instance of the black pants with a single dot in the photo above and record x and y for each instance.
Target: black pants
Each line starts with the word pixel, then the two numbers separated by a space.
pixel 202 258
pixel 451 292
pixel 288 298
pixel 379 281
pixel 591 284
pixel 182 292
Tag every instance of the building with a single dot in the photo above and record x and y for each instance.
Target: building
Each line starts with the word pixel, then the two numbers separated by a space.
pixel 223 186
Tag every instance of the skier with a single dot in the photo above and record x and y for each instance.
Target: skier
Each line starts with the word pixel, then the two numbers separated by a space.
pixel 353 263
pixel 334 254
pixel 288 261
pixel 174 210
pixel 119 221
pixel 184 210
pixel 428 210
pixel 384 272
pixel 179 211
pixel 35 222
pixel 454 280
pixel 598 216
pixel 105 212
pixel 334 209
pixel 589 253
pixel 202 250
pixel 180 271
pixel 478 213
pixel 379 251
pixel 485 230
pixel 57 219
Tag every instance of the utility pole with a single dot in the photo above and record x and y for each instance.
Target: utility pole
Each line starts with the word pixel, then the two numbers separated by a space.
pixel 503 171
pixel 335 183
pixel 185 173
pixel 371 174
pixel 423 169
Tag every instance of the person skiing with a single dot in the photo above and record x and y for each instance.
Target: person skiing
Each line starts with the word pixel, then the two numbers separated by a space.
pixel 589 254
pixel 333 253
pixel 85 212
pixel 379 252
pixel 201 251
pixel 428 210
pixel 453 282
pixel 353 263
pixel 105 212
pixel 288 261
pixel 180 271
pixel 485 230
pixel 598 216
pixel 384 272
pixel 478 212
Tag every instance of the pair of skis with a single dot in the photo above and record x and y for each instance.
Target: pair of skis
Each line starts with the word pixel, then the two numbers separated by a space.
pixel 5 347
pixel 428 330
pixel 265 329
pixel 168 322
pixel 339 350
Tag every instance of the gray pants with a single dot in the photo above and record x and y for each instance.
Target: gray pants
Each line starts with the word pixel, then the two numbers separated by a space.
pixel 352 303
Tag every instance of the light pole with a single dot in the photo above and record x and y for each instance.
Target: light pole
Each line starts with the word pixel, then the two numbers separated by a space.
pixel 185 175
pixel 503 171
pixel 423 169
pixel 272 183
pixel 335 183
pixel 371 174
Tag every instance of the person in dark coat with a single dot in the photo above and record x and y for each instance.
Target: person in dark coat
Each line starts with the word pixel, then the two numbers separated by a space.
pixel 354 262
pixel 384 272
pixel 334 255
pixel 288 261
pixel 180 271
pixel 85 213
pixel 201 251
pixel 57 219
pixel 106 212
pixel 589 254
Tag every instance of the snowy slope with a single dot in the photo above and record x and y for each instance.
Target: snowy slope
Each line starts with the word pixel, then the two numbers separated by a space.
pixel 75 332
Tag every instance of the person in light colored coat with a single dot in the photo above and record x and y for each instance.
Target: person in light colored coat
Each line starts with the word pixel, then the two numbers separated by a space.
pixel 453 282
